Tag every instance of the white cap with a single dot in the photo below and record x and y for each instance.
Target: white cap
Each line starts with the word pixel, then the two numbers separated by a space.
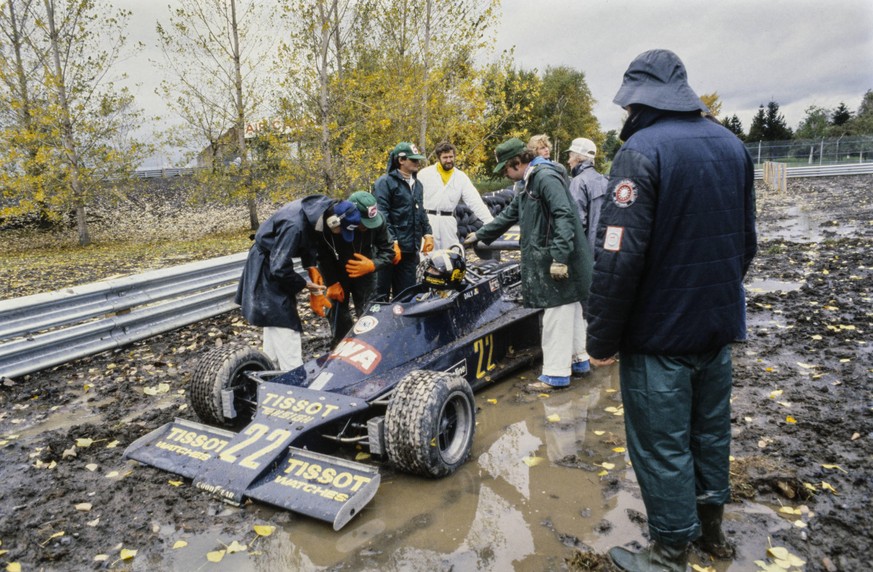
pixel 583 147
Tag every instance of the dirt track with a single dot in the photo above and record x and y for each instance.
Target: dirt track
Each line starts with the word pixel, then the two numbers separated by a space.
pixel 803 437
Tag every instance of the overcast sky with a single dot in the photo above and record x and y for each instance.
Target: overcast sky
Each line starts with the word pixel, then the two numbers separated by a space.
pixel 795 52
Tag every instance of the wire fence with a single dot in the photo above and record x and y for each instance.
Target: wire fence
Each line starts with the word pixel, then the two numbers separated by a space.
pixel 809 152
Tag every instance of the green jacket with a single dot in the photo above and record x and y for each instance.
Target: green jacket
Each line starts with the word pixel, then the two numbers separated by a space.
pixel 550 232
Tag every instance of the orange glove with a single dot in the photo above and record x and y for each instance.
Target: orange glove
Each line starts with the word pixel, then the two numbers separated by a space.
pixel 336 292
pixel 319 304
pixel 427 243
pixel 360 266
pixel 396 253
pixel 315 276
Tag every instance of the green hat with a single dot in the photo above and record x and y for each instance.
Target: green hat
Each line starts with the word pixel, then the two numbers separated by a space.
pixel 506 151
pixel 406 150
pixel 366 204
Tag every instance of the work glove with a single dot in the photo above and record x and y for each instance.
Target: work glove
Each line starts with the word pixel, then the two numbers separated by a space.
pixel 427 243
pixel 471 239
pixel 319 304
pixel 396 253
pixel 315 276
pixel 360 266
pixel 336 292
pixel 559 271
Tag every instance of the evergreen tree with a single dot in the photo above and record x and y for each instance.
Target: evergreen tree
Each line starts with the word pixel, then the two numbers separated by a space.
pixel 769 125
pixel 840 115
pixel 735 126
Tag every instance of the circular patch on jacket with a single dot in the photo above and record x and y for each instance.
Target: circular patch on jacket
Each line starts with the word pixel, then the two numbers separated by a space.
pixel 365 324
pixel 624 194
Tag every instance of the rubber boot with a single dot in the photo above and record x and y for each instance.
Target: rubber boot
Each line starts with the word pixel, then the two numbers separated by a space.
pixel 656 558
pixel 712 539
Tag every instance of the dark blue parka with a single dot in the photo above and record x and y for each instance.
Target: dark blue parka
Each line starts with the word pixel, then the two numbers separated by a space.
pixel 269 285
pixel 403 209
pixel 675 239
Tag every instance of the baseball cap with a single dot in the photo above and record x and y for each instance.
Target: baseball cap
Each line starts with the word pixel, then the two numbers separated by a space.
pixel 406 150
pixel 506 151
pixel 366 204
pixel 583 147
pixel 350 218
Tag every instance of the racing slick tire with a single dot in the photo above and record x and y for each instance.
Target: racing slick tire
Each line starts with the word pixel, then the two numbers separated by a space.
pixel 429 423
pixel 223 369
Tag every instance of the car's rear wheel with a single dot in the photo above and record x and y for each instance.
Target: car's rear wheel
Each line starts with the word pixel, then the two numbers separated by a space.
pixel 223 369
pixel 429 423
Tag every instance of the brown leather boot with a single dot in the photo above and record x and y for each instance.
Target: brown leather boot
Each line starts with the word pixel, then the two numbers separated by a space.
pixel 656 558
pixel 712 540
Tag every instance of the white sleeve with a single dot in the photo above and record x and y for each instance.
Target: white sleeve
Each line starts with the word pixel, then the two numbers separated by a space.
pixel 473 199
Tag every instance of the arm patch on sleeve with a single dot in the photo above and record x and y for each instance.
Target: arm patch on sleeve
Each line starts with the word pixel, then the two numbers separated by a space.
pixel 612 240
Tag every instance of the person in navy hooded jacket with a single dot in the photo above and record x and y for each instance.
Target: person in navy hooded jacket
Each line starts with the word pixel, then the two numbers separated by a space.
pixel 675 239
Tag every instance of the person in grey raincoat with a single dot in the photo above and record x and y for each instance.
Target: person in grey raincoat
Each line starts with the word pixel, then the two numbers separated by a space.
pixel 675 239
pixel 269 285
pixel 587 187
pixel 555 257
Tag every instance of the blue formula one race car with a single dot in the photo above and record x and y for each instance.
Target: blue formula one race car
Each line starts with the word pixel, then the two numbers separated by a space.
pixel 399 386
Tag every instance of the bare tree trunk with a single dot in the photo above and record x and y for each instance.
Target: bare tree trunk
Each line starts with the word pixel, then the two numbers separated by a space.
pixel 324 97
pixel 244 166
pixel 422 128
pixel 72 156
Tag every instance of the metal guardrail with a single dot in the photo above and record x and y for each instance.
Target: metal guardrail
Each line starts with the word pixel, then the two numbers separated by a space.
pixel 164 173
pixel 824 170
pixel 45 330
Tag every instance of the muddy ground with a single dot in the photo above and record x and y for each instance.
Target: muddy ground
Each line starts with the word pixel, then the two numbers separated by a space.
pixel 536 495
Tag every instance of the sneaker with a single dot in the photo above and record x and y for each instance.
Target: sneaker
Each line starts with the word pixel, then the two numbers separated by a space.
pixel 580 368
pixel 548 382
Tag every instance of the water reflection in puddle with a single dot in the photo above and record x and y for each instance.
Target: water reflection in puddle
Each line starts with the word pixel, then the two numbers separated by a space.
pixel 804 225
pixel 518 504
pixel 765 285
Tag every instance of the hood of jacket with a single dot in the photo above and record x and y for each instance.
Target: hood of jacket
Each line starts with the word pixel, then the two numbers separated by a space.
pixel 657 78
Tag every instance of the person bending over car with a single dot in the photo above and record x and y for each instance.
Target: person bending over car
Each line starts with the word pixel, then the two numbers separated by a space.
pixel 350 267
pixel 555 257
pixel 269 284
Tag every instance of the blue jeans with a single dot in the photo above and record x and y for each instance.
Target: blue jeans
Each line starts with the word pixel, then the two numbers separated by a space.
pixel 678 423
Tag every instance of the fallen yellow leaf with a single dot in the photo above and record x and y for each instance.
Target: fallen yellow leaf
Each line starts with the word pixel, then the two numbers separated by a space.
pixel 112 445
pixel 13 567
pixel 817 337
pixel 492 401
pixel 533 461
pixel 611 409
pixel 828 487
pixel 179 544
pixel 264 529
pixel 127 553
pixel 837 467
pixel 215 556
pixel 607 466
pixel 553 418
pixel 799 524
pixel 83 506
pixel 810 487
pixel 790 419
pixel 779 552
pixel 176 483
pixel 602 473
pixel 101 558
pixel 599 433
pixel 84 442
pixel 619 449
pixel 362 456
pixel 776 393
pixel 235 547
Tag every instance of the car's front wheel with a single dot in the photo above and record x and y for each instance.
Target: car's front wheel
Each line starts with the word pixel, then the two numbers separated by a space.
pixel 223 369
pixel 429 423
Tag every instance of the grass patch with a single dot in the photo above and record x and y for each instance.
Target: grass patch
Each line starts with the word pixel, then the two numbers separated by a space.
pixel 35 262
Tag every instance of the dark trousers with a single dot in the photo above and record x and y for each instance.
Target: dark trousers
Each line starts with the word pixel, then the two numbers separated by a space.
pixel 359 292
pixel 394 279
pixel 678 423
